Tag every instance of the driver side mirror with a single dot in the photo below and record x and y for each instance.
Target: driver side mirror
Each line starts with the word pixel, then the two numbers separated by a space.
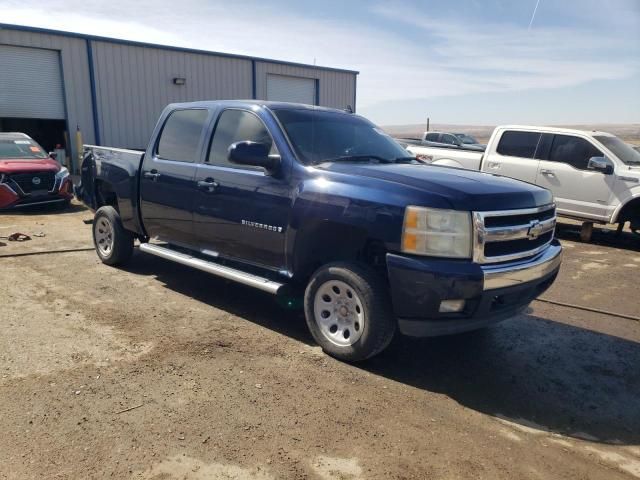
pixel 254 154
pixel 600 164
pixel 53 155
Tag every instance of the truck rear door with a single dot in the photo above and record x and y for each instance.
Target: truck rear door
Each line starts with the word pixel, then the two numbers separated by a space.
pixel 514 155
pixel 167 187
pixel 241 212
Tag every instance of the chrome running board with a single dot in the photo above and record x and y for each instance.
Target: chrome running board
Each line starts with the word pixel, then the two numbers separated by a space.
pixel 229 273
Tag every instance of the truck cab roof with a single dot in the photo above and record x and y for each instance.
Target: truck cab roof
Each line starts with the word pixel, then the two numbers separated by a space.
pixel 552 129
pixel 273 105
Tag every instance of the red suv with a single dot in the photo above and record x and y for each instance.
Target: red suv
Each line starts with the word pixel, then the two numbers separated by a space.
pixel 28 176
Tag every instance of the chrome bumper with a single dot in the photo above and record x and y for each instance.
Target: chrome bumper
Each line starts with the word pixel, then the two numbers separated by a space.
pixel 516 273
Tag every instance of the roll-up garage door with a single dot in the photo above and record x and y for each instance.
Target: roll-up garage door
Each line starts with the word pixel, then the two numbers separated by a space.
pixel 30 83
pixel 284 88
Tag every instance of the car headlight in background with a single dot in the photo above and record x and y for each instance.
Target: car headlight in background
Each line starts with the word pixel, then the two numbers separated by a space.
pixel 63 173
pixel 437 232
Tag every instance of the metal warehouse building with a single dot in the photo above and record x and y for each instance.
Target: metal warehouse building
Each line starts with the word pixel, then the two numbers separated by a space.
pixel 54 84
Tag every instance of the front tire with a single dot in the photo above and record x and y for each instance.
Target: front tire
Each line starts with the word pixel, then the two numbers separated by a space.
pixel 348 311
pixel 114 244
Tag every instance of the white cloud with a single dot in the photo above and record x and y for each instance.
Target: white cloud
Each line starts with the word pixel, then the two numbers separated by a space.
pixel 455 58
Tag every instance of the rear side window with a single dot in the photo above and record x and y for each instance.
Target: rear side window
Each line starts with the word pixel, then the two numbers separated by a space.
pixel 575 151
pixel 518 144
pixel 181 135
pixel 236 126
pixel 432 137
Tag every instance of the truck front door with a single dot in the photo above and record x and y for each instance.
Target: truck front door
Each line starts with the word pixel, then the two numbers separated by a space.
pixel 241 212
pixel 167 189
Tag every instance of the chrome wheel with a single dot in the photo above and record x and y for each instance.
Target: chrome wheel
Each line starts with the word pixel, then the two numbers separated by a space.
pixel 339 313
pixel 103 233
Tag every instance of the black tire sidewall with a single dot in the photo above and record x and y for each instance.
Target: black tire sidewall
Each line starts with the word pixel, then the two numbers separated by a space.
pixel 379 325
pixel 122 239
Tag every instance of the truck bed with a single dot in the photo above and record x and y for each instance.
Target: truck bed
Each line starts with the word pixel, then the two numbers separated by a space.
pixel 118 168
pixel 450 157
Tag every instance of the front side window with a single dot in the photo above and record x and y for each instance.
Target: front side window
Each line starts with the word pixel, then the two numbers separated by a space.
pixel 466 139
pixel 449 139
pixel 518 144
pixel 236 126
pixel 432 137
pixel 181 134
pixel 574 151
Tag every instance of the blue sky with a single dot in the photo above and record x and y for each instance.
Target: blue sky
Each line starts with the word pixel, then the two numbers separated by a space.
pixel 456 61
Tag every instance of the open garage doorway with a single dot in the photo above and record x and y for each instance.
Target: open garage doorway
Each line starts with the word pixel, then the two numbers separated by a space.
pixel 48 133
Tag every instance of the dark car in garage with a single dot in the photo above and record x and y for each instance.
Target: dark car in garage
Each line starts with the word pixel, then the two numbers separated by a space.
pixel 30 176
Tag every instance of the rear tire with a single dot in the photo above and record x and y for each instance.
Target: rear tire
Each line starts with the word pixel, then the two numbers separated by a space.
pixel 348 311
pixel 114 244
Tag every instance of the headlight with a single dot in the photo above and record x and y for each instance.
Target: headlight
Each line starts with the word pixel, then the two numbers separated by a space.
pixel 62 173
pixel 437 232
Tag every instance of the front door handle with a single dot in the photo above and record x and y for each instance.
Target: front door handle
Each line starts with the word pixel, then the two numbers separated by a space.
pixel 153 175
pixel 208 185
pixel 547 172
pixel 494 164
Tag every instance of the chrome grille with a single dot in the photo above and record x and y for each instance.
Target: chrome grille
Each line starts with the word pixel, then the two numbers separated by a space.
pixel 505 235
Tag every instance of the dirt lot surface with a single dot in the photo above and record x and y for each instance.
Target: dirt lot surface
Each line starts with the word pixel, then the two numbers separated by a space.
pixel 157 371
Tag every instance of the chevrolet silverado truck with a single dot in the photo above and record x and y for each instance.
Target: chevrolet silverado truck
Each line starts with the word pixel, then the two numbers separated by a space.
pixel 29 176
pixel 321 205
pixel 594 176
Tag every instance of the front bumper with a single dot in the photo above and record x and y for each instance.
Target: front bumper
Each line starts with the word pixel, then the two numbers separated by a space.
pixel 492 293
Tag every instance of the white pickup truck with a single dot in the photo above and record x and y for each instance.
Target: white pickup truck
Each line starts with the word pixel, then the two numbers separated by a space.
pixel 594 176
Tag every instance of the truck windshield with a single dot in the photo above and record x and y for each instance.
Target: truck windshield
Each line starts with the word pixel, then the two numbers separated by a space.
pixel 321 136
pixel 20 149
pixel 620 149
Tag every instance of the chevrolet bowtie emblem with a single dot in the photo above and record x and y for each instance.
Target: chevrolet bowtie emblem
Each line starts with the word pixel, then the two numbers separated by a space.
pixel 535 229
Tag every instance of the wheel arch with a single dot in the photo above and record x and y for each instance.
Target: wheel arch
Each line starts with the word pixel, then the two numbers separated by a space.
pixel 105 194
pixel 628 211
pixel 323 241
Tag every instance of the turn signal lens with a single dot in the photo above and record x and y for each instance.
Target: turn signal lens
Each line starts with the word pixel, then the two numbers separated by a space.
pixel 436 232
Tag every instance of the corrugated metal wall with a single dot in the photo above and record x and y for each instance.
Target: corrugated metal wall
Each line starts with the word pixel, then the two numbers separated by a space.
pixel 134 84
pixel 337 89
pixel 75 74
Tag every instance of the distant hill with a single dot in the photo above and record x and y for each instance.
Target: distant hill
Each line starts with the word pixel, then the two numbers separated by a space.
pixel 629 132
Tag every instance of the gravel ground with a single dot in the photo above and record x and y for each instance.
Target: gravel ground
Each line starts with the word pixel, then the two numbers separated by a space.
pixel 156 371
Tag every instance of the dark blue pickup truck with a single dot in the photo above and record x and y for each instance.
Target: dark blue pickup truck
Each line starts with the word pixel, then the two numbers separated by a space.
pixel 320 203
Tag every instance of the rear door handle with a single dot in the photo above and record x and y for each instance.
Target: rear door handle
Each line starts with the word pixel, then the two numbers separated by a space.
pixel 153 175
pixel 547 172
pixel 208 185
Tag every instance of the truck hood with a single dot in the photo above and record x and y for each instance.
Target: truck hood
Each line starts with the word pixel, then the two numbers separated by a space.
pixel 8 165
pixel 462 189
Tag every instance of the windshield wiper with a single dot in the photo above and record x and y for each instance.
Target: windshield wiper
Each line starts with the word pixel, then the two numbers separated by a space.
pixel 405 159
pixel 365 158
pixel 353 158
